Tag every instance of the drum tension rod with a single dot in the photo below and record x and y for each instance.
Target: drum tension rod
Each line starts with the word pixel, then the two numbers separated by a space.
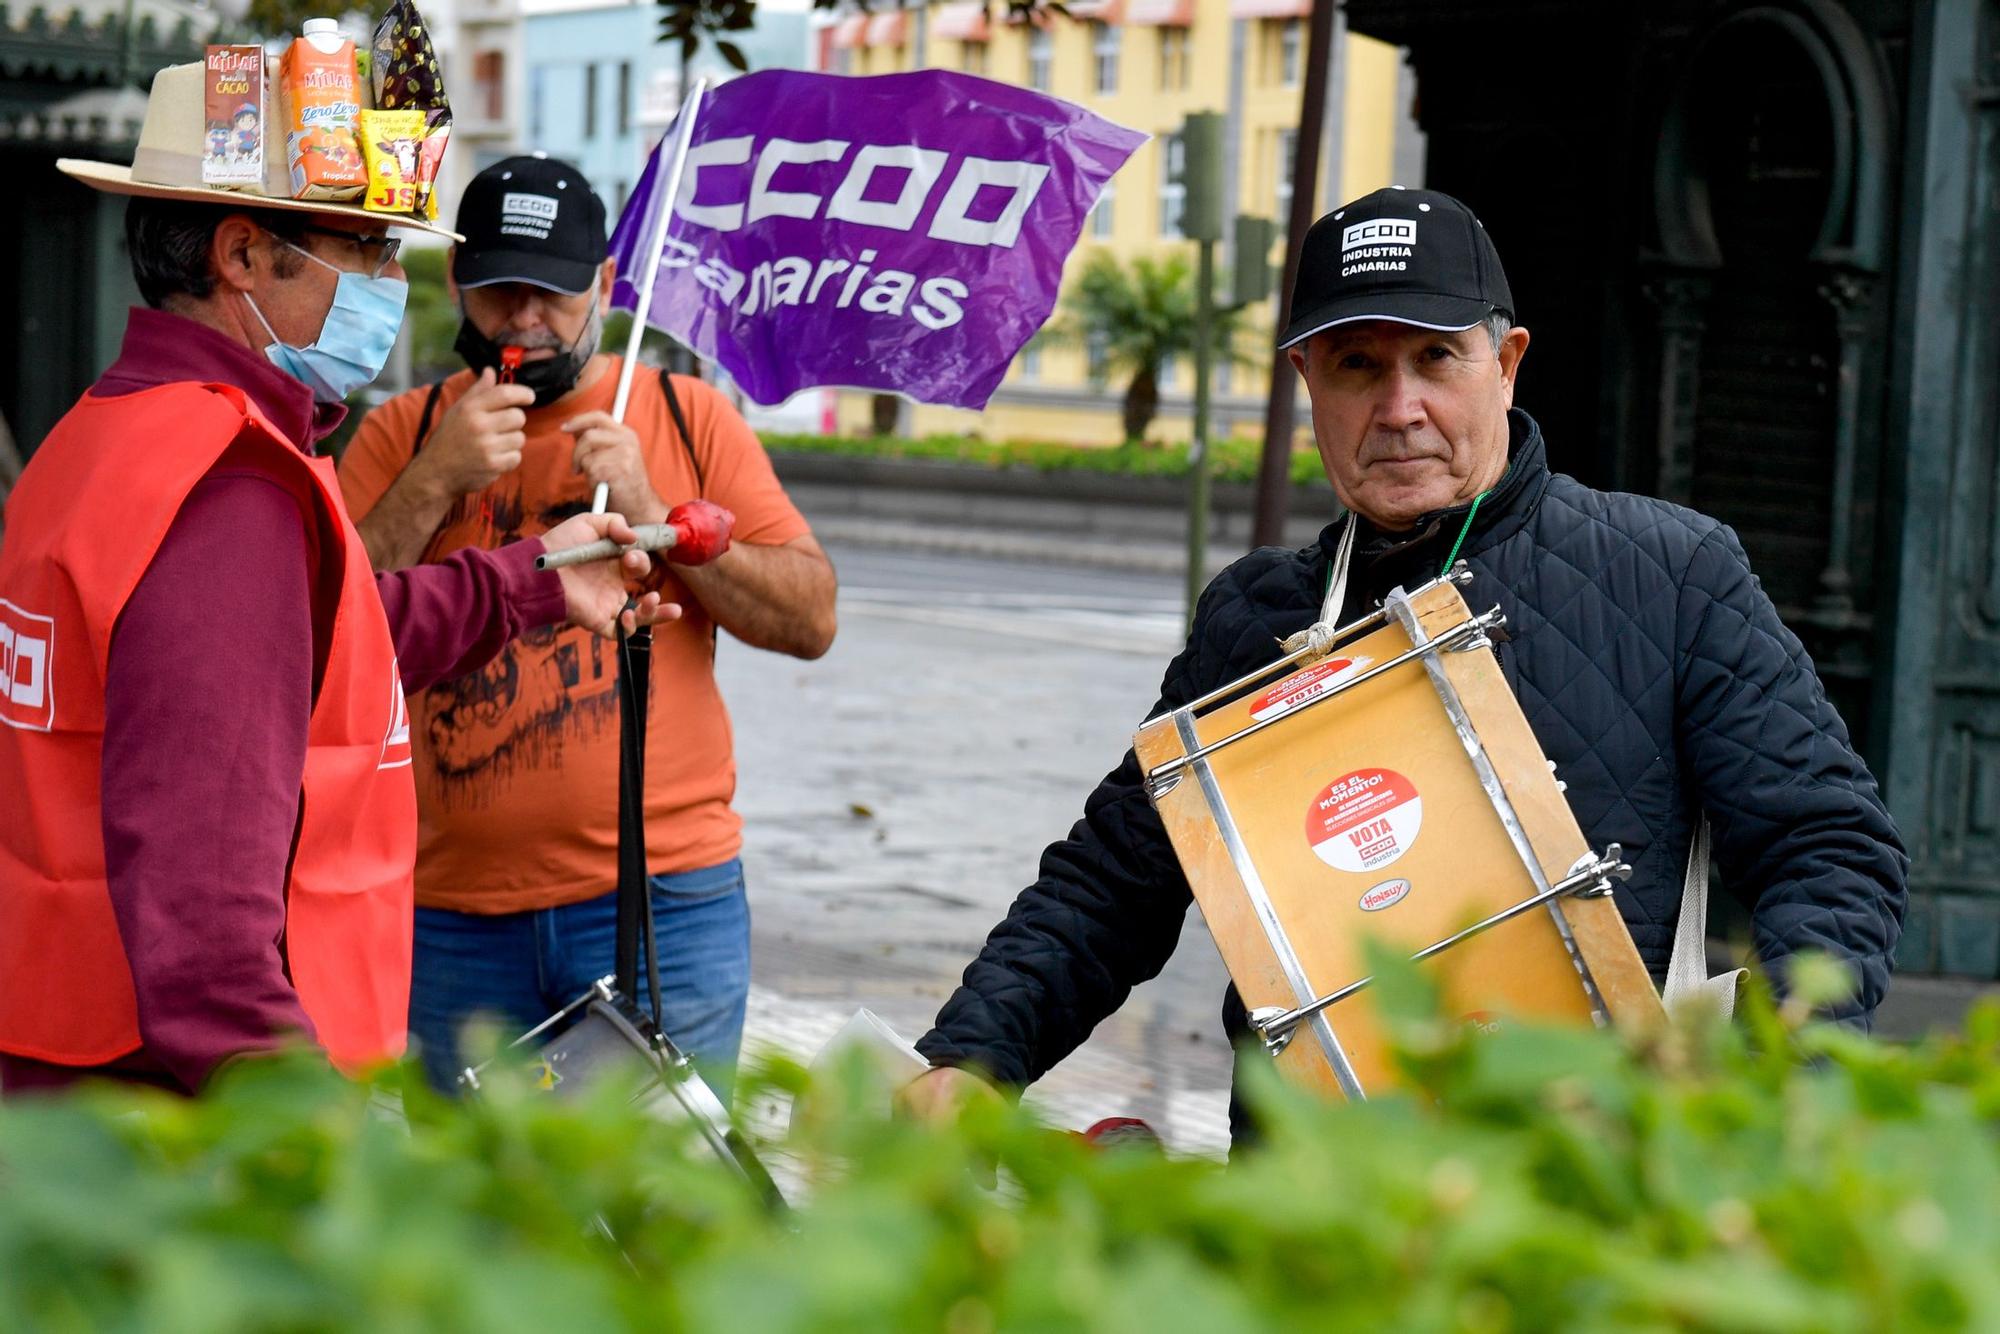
pixel 1459 575
pixel 1465 635
pixel 1590 878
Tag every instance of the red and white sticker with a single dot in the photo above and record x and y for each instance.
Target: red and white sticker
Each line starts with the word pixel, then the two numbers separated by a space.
pixel 1304 687
pixel 1364 820
pixel 1385 895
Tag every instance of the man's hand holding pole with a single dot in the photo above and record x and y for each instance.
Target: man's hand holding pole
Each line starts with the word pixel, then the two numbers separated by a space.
pixel 595 588
pixel 695 533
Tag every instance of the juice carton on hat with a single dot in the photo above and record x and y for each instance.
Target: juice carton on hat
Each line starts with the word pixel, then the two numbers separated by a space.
pixel 322 97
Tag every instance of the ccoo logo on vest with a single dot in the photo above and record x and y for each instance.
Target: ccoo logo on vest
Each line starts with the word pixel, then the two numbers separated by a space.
pixel 396 741
pixel 27 642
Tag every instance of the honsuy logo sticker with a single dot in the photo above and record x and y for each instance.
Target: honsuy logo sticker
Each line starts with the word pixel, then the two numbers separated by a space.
pixel 1385 895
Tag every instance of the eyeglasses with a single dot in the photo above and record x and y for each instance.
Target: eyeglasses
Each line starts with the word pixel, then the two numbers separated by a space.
pixel 377 252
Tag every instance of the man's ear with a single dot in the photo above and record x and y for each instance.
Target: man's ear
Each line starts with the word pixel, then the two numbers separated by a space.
pixel 1513 347
pixel 450 283
pixel 230 252
pixel 1298 356
pixel 606 276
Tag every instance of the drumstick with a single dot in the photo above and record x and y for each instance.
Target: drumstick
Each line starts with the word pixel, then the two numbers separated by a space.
pixel 652 537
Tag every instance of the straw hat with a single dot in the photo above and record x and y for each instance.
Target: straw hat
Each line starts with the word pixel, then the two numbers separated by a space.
pixel 167 164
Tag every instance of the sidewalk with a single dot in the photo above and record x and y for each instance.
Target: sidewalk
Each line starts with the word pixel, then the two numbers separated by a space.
pixel 1098 520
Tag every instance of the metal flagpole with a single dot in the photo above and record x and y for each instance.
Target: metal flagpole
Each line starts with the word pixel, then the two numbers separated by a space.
pixel 666 216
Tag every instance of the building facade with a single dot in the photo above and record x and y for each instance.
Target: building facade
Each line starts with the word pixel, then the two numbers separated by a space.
pixel 72 80
pixel 601 89
pixel 1148 64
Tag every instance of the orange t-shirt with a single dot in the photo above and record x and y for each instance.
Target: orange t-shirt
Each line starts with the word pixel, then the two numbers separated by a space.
pixel 517 763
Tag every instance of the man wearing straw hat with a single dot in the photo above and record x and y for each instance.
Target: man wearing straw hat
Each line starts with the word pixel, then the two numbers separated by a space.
pixel 517 764
pixel 212 825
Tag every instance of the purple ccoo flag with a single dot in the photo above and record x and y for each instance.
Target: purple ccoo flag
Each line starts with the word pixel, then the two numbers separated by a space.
pixel 903 233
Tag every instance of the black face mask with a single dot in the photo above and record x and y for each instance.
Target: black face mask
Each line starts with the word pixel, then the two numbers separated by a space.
pixel 550 377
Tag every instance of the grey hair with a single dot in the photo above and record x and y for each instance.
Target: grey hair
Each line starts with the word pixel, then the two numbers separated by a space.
pixel 167 241
pixel 1496 325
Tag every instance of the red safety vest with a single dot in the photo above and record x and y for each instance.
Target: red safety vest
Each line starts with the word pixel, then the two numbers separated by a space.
pixel 82 527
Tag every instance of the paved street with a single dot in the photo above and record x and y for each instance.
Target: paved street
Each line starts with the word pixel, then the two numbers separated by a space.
pixel 898 793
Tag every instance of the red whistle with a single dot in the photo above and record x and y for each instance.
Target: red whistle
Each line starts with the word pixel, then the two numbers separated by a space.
pixel 510 361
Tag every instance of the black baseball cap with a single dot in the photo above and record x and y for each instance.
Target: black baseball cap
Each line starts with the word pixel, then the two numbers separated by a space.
pixel 530 220
pixel 1412 256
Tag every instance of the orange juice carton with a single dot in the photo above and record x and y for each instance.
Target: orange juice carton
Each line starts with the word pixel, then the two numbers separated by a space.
pixel 322 95
pixel 233 117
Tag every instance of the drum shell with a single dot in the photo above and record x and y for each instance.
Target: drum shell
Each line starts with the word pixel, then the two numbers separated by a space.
pixel 1360 814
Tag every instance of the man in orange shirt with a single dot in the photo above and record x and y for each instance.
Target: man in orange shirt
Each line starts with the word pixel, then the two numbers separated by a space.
pixel 517 764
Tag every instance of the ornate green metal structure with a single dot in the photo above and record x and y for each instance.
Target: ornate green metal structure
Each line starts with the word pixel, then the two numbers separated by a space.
pixel 1758 245
pixel 72 84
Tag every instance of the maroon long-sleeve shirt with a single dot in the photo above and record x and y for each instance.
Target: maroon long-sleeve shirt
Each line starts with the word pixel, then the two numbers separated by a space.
pixel 203 764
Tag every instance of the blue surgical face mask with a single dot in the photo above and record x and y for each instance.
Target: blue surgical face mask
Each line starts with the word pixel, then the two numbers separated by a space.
pixel 354 340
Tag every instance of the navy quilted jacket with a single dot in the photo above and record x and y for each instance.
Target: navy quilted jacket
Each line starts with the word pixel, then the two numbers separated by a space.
pixel 1656 675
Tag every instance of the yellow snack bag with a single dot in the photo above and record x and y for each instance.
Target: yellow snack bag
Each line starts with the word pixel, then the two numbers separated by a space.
pixel 390 144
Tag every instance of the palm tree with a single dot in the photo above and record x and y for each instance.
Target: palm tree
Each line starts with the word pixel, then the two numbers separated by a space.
pixel 1138 317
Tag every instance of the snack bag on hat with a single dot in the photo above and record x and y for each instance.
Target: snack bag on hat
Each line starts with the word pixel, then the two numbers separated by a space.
pixel 389 145
pixel 404 72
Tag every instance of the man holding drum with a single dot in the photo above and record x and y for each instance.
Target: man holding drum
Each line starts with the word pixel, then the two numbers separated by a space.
pixel 1652 668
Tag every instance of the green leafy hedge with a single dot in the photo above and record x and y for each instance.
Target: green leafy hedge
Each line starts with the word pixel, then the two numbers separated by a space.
pixel 1232 460
pixel 1771 1177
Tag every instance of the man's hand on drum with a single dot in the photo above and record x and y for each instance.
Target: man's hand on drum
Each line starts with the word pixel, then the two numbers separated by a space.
pixel 939 1095
pixel 599 594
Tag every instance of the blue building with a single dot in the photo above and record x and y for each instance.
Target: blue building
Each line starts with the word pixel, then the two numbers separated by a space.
pixel 601 89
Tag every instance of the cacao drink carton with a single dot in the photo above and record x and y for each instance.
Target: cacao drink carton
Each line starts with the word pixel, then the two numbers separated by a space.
pixel 322 96
pixel 233 117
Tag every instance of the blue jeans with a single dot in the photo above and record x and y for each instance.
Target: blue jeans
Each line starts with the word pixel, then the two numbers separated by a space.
pixel 519 968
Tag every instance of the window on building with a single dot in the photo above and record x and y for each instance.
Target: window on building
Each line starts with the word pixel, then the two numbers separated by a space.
pixel 538 92
pixel 1029 363
pixel 1168 373
pixel 1097 356
pixel 972 58
pixel 1104 52
pixel 1287 149
pixel 624 194
pixel 1291 51
pixel 1173 59
pixel 590 101
pixel 624 98
pixel 1173 192
pixel 1100 215
pixel 1039 45
pixel 489 84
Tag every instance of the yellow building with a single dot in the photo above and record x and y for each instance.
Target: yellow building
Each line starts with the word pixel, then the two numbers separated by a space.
pixel 1148 64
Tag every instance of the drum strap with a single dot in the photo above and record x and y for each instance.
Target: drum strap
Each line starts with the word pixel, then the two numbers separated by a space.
pixel 1687 971
pixel 634 917
pixel 1319 635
